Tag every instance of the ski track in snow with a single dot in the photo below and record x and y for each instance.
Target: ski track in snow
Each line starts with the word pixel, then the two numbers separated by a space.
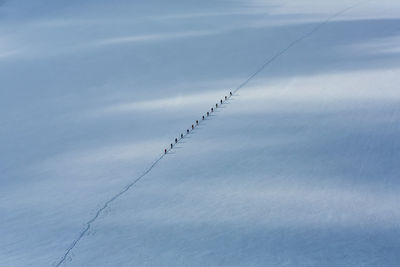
pixel 260 69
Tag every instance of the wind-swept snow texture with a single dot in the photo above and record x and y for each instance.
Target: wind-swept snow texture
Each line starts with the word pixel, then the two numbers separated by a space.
pixel 300 168
pixel 178 140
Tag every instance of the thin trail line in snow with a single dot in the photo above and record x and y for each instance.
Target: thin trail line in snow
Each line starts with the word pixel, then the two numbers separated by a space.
pixel 261 68
pixel 296 41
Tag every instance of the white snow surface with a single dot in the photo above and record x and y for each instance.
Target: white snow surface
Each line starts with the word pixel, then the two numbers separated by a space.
pixel 299 168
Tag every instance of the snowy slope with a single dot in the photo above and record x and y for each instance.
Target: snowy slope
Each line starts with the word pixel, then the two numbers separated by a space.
pixel 299 168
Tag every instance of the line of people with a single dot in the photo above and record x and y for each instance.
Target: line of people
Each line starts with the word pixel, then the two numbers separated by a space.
pixel 197 123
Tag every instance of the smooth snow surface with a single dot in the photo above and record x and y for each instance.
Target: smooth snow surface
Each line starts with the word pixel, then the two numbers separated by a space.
pixel 299 168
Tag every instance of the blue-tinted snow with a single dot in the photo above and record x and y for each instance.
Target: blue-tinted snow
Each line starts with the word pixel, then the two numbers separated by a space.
pixel 300 168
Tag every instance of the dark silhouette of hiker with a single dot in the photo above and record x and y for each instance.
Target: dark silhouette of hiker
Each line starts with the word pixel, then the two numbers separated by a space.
pixel 172 146
pixel 208 113
pixel 230 93
pixel 226 97
pixel 220 101
pixel 165 151
pixel 212 109
pixel 216 105
pixel 176 140
pixel 181 135
pixel 203 117
pixel 187 131
pixel 197 122
pixel 192 126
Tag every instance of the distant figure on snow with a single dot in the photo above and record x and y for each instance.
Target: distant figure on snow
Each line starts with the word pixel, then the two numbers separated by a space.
pixel 212 109
pixel 181 135
pixel 230 93
pixel 165 151
pixel 172 146
pixel 208 113
pixel 187 131
pixel 216 105
pixel 203 117
pixel 176 140
pixel 226 97
pixel 197 122
pixel 192 126
pixel 221 101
